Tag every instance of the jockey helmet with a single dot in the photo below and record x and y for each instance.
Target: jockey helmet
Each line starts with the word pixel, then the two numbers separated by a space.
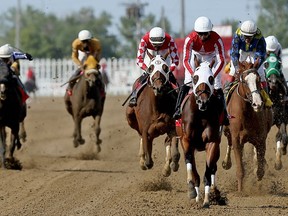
pixel 84 35
pixel 6 51
pixel 271 43
pixel 248 28
pixel 203 24
pixel 156 36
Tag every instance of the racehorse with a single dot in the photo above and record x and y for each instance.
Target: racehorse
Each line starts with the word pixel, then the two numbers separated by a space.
pixel 87 100
pixel 277 93
pixel 12 112
pixel 250 122
pixel 152 116
pixel 201 131
pixel 31 87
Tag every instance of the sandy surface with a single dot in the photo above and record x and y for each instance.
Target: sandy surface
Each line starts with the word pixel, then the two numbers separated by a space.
pixel 58 179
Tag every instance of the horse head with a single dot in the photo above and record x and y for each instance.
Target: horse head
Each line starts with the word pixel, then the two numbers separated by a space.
pixel 203 84
pixel 91 70
pixel 5 77
pixel 249 77
pixel 158 71
pixel 272 68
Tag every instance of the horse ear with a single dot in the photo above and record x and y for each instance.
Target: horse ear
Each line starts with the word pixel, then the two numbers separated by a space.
pixel 150 55
pixel 196 62
pixel 256 63
pixel 166 55
pixel 212 63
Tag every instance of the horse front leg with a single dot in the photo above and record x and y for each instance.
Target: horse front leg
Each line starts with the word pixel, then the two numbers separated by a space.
pixel 22 133
pixel 10 162
pixel 78 140
pixel 261 162
pixel 212 156
pixel 227 162
pixel 166 169
pixel 278 161
pixel 238 153
pixel 2 145
pixel 97 121
pixel 147 147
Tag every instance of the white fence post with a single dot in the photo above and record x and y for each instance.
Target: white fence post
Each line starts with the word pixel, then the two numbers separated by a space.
pixel 52 73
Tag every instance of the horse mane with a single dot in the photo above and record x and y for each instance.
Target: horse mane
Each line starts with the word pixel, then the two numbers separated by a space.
pixel 90 63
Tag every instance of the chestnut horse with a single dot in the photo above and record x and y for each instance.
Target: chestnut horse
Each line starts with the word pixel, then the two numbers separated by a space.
pixel 277 93
pixel 201 130
pixel 251 121
pixel 12 112
pixel 152 116
pixel 86 100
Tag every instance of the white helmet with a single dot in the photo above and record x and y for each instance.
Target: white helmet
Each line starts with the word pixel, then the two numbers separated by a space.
pixel 84 35
pixel 271 43
pixel 6 51
pixel 248 28
pixel 156 36
pixel 203 24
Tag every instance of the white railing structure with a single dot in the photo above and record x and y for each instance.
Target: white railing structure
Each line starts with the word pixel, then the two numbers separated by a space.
pixel 52 73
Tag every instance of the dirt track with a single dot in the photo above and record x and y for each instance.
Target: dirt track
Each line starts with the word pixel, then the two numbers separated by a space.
pixel 58 179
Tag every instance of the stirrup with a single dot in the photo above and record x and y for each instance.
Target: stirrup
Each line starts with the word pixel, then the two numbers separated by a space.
pixel 132 102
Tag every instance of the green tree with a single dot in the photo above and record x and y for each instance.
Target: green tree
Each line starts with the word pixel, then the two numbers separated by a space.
pixel 47 36
pixel 273 19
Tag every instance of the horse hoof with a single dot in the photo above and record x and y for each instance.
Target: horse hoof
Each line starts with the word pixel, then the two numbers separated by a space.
pixel 75 143
pixel 143 167
pixel 191 191
pixel 206 205
pixel 166 172
pixel 81 141
pixel 226 165
pixel 98 149
pixel 150 165
pixel 174 166
pixel 283 151
pixel 13 164
pixel 99 141
pixel 278 165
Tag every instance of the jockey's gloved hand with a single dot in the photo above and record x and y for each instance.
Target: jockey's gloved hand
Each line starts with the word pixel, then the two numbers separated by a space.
pixel 29 57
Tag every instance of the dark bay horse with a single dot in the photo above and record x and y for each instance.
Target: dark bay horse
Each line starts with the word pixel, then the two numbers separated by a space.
pixel 277 93
pixel 87 99
pixel 152 116
pixel 201 131
pixel 12 112
pixel 251 121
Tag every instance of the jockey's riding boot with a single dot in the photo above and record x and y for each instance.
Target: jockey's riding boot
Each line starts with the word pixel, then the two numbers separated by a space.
pixel 221 97
pixel 133 100
pixel 264 94
pixel 227 86
pixel 183 91
pixel 266 98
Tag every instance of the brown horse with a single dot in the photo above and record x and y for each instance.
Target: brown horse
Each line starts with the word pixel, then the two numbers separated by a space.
pixel 87 100
pixel 152 116
pixel 251 121
pixel 201 130
pixel 12 112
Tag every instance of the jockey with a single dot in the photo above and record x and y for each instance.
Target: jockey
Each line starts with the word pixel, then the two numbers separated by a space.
pixel 85 44
pixel 8 57
pixel 248 42
pixel 205 45
pixel 159 42
pixel 274 48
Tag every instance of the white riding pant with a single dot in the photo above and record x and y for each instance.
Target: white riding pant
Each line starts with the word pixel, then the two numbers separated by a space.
pixel 249 57
pixel 203 58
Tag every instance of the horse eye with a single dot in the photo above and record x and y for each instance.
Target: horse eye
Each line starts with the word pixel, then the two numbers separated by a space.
pixel 195 79
pixel 165 68
pixel 211 80
pixel 150 69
